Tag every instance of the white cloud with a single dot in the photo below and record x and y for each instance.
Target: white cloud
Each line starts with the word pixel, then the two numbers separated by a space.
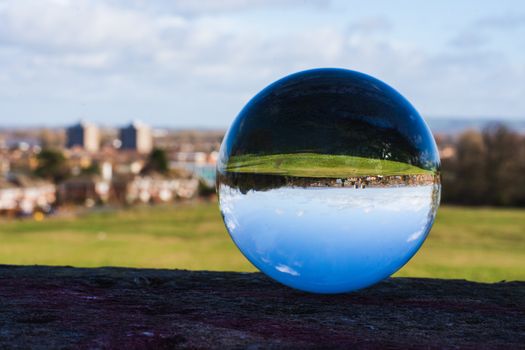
pixel 286 269
pixel 74 25
pixel 506 21
pixel 195 8
pixel 371 25
pixel 204 59
pixel 414 236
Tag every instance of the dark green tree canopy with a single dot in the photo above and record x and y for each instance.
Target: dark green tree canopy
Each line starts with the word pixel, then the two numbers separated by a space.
pixel 157 162
pixel 52 165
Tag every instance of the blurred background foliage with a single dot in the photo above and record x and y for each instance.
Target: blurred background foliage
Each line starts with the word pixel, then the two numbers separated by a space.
pixel 487 168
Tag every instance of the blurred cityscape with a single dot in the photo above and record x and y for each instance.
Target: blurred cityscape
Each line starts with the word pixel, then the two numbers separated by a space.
pixel 85 164
pixel 43 169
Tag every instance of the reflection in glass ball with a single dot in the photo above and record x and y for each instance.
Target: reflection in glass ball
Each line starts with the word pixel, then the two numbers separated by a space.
pixel 328 180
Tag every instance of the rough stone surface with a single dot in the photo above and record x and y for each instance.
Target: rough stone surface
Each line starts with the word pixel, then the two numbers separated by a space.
pixel 106 308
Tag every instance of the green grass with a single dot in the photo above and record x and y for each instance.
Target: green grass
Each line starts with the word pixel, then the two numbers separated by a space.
pixel 475 244
pixel 319 165
pixel 483 244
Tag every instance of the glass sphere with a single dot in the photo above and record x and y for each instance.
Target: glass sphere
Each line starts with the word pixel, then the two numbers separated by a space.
pixel 328 180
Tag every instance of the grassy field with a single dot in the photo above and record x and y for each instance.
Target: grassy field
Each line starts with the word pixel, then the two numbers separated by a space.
pixel 475 244
pixel 319 165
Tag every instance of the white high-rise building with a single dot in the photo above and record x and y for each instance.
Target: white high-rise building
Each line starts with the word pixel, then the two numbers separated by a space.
pixel 85 135
pixel 137 136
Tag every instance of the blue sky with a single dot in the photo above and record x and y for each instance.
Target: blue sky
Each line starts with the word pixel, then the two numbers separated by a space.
pixel 196 63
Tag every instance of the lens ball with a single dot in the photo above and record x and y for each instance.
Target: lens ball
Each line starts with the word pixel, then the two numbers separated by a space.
pixel 328 180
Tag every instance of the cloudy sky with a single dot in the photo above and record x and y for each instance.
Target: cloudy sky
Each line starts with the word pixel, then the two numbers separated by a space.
pixel 193 63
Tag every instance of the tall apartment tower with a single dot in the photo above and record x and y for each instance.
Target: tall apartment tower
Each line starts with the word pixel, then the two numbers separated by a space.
pixel 137 136
pixel 85 135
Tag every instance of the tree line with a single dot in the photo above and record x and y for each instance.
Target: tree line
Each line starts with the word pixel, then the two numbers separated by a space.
pixel 487 168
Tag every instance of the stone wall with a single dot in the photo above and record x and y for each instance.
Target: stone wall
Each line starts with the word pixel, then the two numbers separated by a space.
pixel 106 308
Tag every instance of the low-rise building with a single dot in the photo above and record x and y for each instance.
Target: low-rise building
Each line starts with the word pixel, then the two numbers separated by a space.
pixel 153 188
pixel 10 195
pixel 23 195
pixel 85 189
